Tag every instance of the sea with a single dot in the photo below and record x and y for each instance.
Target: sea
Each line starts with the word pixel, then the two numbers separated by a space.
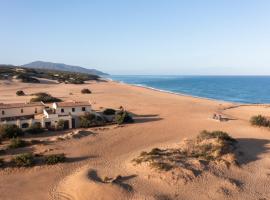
pixel 237 89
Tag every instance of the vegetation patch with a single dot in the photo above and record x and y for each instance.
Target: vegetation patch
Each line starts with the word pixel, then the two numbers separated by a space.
pixel 44 97
pixel 61 125
pixel 23 160
pixel 2 162
pixel 123 117
pixel 10 131
pixel 30 75
pixel 109 111
pixel 26 78
pixel 20 93
pixel 54 159
pixel 17 143
pixel 90 120
pixel 86 91
pixel 209 147
pixel 260 120
pixel 35 129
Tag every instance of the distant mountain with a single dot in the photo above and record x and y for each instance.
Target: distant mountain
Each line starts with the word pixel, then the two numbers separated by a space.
pixel 62 67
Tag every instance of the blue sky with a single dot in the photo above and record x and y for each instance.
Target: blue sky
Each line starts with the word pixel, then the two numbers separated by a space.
pixel 140 36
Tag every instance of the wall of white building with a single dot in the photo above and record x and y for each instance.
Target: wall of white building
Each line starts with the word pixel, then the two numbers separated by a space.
pixel 76 110
pixel 11 112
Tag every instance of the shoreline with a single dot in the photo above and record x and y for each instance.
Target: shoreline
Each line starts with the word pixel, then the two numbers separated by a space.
pixel 188 95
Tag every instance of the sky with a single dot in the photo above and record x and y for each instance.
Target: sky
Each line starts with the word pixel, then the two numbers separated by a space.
pixel 151 37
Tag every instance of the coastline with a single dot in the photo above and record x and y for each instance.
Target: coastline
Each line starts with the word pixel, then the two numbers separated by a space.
pixel 187 95
pixel 226 89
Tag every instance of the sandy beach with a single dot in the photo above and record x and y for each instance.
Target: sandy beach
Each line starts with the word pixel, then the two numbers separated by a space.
pixel 161 120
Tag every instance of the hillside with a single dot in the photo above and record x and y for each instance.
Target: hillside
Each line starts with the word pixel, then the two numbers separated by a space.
pixel 27 75
pixel 62 67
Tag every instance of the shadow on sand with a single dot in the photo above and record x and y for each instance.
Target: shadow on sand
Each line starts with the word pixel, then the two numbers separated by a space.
pixel 78 159
pixel 145 118
pixel 250 149
pixel 119 180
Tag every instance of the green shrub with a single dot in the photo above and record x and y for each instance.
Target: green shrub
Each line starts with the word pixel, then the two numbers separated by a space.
pixel 27 79
pixel 91 119
pixel 61 124
pixel 35 129
pixel 16 143
pixel 54 159
pixel 86 91
pixel 109 111
pixel 260 120
pixel 23 160
pixel 44 97
pixel 10 131
pixel 123 117
pixel 20 93
pixel 75 81
pixel 2 163
pixel 84 122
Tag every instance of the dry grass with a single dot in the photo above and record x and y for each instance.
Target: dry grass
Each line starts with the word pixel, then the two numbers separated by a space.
pixel 207 146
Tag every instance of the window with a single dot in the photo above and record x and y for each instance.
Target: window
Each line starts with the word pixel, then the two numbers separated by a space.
pixel 3 112
pixel 73 109
pixel 21 110
pixel 83 108
pixel 62 110
pixel 36 110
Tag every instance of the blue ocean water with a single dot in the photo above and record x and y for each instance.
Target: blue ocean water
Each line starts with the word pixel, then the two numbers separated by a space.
pixel 240 89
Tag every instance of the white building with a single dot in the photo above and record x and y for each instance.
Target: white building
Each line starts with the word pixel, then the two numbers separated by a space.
pixel 26 114
pixel 21 114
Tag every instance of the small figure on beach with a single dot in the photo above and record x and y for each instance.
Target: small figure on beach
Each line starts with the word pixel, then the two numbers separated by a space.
pixel 217 117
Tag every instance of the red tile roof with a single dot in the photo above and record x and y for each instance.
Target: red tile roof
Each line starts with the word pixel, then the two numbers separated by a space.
pixel 20 105
pixel 73 104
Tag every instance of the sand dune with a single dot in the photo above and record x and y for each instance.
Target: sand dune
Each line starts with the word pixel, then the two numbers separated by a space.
pixel 161 120
pixel 85 184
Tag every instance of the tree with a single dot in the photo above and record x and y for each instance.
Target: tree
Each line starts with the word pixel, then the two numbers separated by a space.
pixel 123 117
pixel 10 131
pixel 20 93
pixel 60 124
pixel 86 91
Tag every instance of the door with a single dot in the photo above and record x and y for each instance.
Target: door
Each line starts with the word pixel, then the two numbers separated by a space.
pixel 66 124
pixel 73 123
pixel 48 125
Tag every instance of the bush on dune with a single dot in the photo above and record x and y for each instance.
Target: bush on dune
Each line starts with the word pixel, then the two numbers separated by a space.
pixel 55 158
pixel 86 91
pixel 20 93
pixel 44 97
pixel 17 143
pixel 209 146
pixel 123 117
pixel 23 160
pixel 260 120
pixel 215 134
